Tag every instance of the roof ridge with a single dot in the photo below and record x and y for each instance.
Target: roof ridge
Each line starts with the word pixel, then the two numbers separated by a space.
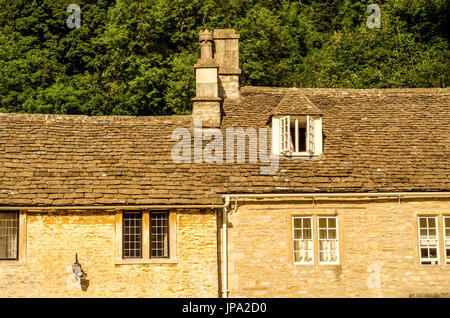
pixel 417 90
pixel 82 118
pixel 275 111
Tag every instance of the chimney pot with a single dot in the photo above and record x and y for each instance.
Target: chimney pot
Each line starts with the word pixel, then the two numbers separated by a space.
pixel 206 38
pixel 206 103
pixel 226 43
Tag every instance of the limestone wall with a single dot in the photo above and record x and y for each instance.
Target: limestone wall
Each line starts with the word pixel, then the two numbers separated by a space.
pixel 53 238
pixel 374 234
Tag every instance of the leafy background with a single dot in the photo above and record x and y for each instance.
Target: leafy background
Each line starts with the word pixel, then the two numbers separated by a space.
pixel 136 57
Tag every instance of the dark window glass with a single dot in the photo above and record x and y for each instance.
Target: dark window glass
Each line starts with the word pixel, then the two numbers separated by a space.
pixel 9 235
pixel 159 234
pixel 301 139
pixel 132 234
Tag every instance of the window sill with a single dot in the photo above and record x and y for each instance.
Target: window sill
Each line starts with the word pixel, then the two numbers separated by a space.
pixel 305 265
pixel 298 155
pixel 13 262
pixel 432 266
pixel 131 261
pixel 330 266
pixel 319 267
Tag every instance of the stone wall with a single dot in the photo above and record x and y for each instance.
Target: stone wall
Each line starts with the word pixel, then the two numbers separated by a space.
pixel 53 238
pixel 374 234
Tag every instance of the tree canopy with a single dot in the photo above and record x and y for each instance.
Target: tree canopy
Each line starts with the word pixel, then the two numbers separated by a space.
pixel 132 57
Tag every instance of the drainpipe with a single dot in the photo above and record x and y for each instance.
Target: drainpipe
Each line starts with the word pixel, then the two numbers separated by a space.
pixel 224 248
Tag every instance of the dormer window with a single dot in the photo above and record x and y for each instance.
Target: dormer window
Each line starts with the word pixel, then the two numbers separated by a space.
pixel 297 135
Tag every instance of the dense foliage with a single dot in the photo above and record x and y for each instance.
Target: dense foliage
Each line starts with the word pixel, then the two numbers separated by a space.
pixel 133 57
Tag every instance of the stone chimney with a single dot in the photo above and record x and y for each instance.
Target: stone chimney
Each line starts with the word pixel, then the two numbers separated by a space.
pixel 226 43
pixel 206 103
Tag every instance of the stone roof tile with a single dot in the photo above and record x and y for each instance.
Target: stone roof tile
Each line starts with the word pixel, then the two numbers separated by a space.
pixel 374 140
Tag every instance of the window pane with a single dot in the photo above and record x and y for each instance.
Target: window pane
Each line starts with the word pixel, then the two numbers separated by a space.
pixel 159 234
pixel 331 222
pixel 9 232
pixel 307 234
pixel 323 234
pixel 424 252
pixel 322 245
pixel 328 240
pixel 447 239
pixel 296 245
pixel 433 253
pixel 307 223
pixel 302 139
pixel 303 243
pixel 428 240
pixel 132 230
pixel 322 223
pixel 423 222
pixel 331 234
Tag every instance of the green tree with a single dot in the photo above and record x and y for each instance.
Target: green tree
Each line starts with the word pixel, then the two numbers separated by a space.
pixel 136 57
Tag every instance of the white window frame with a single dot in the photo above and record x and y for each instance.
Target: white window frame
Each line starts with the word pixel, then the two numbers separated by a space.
pixel 310 133
pixel 427 238
pixel 336 239
pixel 446 239
pixel 285 133
pixel 281 136
pixel 294 239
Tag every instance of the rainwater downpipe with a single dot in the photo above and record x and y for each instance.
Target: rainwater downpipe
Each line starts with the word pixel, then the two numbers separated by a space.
pixel 224 248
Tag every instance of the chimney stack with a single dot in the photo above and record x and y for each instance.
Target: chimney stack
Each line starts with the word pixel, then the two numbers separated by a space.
pixel 206 103
pixel 226 43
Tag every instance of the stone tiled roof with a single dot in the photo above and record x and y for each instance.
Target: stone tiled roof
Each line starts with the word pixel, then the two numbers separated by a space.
pixel 295 102
pixel 374 140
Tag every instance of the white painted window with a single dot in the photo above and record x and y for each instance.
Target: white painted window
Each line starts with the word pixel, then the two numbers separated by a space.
pixel 302 233
pixel 310 135
pixel 428 240
pixel 285 137
pixel 297 135
pixel 328 240
pixel 447 238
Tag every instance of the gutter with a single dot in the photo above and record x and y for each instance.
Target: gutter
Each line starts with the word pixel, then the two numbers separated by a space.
pixel 115 207
pixel 236 196
pixel 337 195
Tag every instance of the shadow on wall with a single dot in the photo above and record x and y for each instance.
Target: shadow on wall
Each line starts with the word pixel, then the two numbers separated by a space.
pixel 84 283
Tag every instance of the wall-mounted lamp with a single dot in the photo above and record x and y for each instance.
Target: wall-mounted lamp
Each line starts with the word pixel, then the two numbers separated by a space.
pixel 77 270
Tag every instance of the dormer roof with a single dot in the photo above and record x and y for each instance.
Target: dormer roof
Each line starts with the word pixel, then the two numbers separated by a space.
pixel 296 103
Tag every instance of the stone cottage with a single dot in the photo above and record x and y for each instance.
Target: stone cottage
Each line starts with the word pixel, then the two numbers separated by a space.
pixel 317 193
